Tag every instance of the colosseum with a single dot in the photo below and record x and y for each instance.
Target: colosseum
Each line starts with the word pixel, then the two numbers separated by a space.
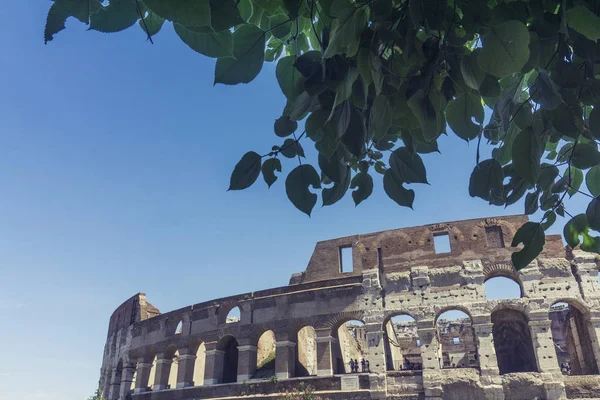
pixel 542 344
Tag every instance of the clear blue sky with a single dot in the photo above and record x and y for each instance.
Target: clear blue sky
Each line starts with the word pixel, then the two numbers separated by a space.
pixel 115 158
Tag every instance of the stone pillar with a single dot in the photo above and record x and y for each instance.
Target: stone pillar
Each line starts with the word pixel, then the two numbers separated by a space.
pixel 213 368
pixel 376 353
pixel 486 355
pixel 594 331
pixel 246 360
pixel 285 359
pixel 325 343
pixel 545 354
pixel 127 379
pixel 185 369
pixel 432 379
pixel 115 385
pixel 163 368
pixel 142 375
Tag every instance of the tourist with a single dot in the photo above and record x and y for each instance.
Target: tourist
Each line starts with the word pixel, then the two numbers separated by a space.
pixel 351 366
pixel 368 366
pixel 362 364
pixel 356 365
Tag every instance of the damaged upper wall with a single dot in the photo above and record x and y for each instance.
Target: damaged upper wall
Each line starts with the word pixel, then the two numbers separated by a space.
pixel 134 309
pixel 486 239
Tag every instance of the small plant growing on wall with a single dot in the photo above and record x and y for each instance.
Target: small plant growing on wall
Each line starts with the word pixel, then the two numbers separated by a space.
pixel 302 392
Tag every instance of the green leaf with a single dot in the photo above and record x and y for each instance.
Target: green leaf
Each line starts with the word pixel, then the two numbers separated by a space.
pixel 301 106
pixel 346 31
pixel 185 12
pixel 531 202
pixel 309 63
pixel 550 220
pixel 460 113
pixel 532 236
pixel 315 124
pixel 117 16
pixel 576 180
pixel 291 149
pixel 248 57
pixel 336 192
pixel 344 89
pixel 505 48
pixel 592 180
pixel 585 156
pixel 407 167
pixel 578 227
pixel 204 41
pixel 566 121
pixel 153 23
pixel 63 9
pixel 356 133
pixel 289 78
pixel 334 168
pixel 396 192
pixel 471 72
pixel 584 21
pixel 363 182
pixel 547 93
pixel 224 14
pixel 296 187
pixel 380 118
pixel 593 213
pixel 427 114
pixel 284 126
pixel 526 153
pixel 268 170
pixel 594 122
pixel 548 174
pixel 245 172
pixel 280 25
pixel 486 181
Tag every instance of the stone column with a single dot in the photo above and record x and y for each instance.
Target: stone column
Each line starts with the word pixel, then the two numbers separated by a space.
pixel 246 360
pixel 285 359
pixel 142 375
pixel 127 379
pixel 376 353
pixel 213 368
pixel 486 355
pixel 163 368
pixel 185 369
pixel 325 343
pixel 594 331
pixel 115 384
pixel 432 379
pixel 545 354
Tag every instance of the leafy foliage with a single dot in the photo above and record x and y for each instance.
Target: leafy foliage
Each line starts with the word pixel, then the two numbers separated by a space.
pixel 97 395
pixel 375 83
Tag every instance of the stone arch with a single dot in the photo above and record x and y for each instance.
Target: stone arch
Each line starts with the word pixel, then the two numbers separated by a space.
pixel 335 321
pixel 504 269
pixel 402 343
pixel 230 312
pixel 229 346
pixel 306 351
pixel 351 342
pixel 572 334
pixel 497 282
pixel 265 354
pixel 174 326
pixel 441 310
pixel 456 340
pixel 512 341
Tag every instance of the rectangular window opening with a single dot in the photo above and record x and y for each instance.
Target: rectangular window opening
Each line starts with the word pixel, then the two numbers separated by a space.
pixel 441 243
pixel 346 264
pixel 494 236
pixel 456 340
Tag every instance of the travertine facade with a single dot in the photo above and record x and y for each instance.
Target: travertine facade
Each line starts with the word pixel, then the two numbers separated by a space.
pixel 507 346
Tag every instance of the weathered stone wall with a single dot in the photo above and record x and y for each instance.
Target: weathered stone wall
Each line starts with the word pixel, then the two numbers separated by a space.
pixel 395 272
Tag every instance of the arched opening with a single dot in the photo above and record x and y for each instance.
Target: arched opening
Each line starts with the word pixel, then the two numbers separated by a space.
pixel 179 328
pixel 152 375
pixel 512 341
pixel 572 341
pixel 402 344
pixel 229 346
pixel 265 356
pixel 351 352
pixel 172 382
pixel 116 385
pixel 306 352
pixel 199 365
pixel 457 346
pixel 501 287
pixel 233 316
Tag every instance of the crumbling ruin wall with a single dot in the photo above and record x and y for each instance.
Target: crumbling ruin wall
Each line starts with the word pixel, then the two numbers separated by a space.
pixel 395 272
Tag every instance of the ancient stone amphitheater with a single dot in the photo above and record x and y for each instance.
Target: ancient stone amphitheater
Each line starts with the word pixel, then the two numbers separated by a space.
pixel 502 349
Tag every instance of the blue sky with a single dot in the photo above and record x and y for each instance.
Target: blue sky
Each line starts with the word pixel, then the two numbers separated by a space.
pixel 115 158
